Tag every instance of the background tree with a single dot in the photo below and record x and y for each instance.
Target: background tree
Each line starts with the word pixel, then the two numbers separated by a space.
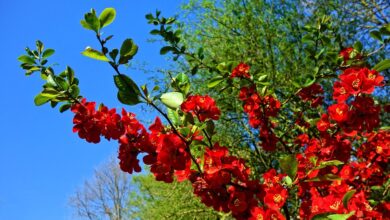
pixel 114 195
pixel 105 195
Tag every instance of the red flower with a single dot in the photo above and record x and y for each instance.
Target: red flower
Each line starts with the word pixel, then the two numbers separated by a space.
pixel 352 79
pixel 242 70
pixel 257 213
pixel 275 197
pixel 371 79
pixel 312 94
pixel 203 107
pixel 91 123
pixel 238 202
pixel 339 112
pixel 272 214
pixel 271 106
pixel 340 93
pixel 323 124
pixel 302 139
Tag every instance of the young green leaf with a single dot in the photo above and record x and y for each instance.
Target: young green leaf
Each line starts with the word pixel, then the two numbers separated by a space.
pixel 172 99
pixel 94 54
pixel 47 53
pixel 289 165
pixel 348 195
pixel 340 216
pixel 65 107
pixel 215 81
pixel 127 51
pixel 107 17
pixel 166 49
pixel 358 46
pixel 40 99
pixel 91 22
pixel 26 59
pixel 376 35
pixel 40 46
pixel 383 65
pixel 173 116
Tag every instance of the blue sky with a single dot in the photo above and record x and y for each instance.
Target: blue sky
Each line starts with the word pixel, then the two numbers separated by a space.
pixel 41 161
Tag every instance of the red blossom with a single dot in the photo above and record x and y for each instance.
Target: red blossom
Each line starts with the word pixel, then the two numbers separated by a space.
pixel 242 70
pixel 204 107
pixel 340 93
pixel 339 112
pixel 275 197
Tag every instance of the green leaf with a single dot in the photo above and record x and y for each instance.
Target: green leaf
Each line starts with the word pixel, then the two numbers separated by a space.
pixel 383 65
pixel 128 48
pixel 326 177
pixel 287 180
pixel 376 35
pixel 184 131
pixel 39 46
pixel 182 78
pixel 262 78
pixel 128 98
pixel 182 83
pixel 149 16
pixel 41 99
pixel 128 91
pixel 26 59
pixel 324 164
pixel 155 32
pixel 210 127
pixel 47 53
pixel 91 21
pixel 70 75
pixel 62 83
pixel 309 81
pixel 74 91
pixel 358 46
pixel 107 17
pixel 322 216
pixel 50 80
pixel 127 51
pixel 172 99
pixel 348 195
pixel 289 165
pixel 113 54
pixel 173 116
pixel 215 81
pixel 166 49
pixel 94 54
pixel 65 107
pixel 53 104
pixel 126 84
pixel 384 30
pixel 49 94
pixel 85 25
pixel 341 216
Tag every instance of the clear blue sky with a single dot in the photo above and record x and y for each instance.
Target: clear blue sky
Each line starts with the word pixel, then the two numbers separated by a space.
pixel 41 161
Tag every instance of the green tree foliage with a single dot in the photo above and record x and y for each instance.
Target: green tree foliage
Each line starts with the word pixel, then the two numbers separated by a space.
pixel 157 200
